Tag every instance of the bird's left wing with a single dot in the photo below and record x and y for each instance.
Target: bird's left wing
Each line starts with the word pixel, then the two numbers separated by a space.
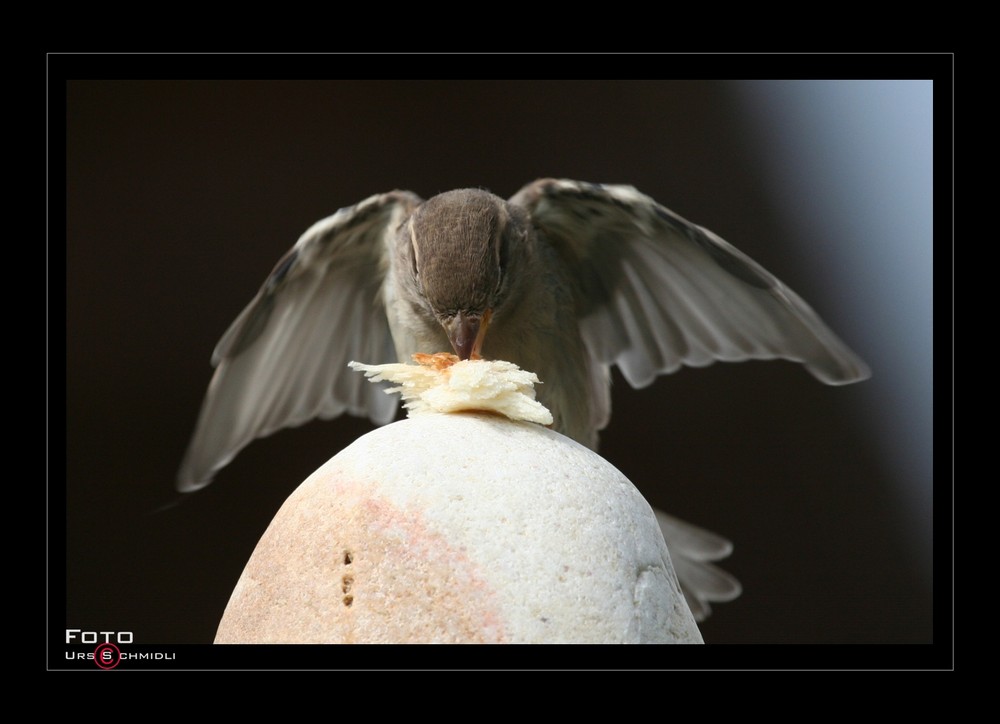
pixel 284 360
pixel 656 292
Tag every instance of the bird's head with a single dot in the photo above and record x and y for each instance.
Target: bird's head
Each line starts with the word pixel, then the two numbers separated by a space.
pixel 458 248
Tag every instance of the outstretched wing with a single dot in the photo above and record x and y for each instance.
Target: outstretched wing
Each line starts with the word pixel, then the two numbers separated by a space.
pixel 657 292
pixel 284 360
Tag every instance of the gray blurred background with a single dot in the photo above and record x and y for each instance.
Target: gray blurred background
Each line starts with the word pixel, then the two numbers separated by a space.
pixel 182 195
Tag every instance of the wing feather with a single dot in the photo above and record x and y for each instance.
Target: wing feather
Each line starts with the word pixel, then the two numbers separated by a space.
pixel 657 292
pixel 284 360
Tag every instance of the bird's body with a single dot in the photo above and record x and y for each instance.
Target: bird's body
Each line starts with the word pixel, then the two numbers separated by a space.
pixel 565 279
pixel 532 323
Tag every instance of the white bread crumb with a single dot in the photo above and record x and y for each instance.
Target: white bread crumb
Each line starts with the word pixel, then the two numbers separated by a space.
pixel 442 383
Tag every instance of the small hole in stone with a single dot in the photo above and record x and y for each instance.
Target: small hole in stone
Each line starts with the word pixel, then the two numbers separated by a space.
pixel 348 600
pixel 346 583
pixel 348 558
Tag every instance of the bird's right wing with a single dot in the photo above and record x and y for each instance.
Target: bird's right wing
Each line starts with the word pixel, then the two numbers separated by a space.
pixel 284 360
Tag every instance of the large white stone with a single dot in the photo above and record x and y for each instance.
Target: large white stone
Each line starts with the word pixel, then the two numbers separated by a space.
pixel 461 528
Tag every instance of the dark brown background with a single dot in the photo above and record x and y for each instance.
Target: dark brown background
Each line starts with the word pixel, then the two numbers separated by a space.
pixel 182 195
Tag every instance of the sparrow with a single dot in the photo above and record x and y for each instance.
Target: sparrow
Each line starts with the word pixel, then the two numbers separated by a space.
pixel 565 279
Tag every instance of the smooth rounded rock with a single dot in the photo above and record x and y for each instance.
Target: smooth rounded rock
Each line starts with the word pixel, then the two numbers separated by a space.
pixel 461 528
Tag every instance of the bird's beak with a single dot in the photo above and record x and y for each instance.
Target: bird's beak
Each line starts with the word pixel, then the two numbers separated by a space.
pixel 466 333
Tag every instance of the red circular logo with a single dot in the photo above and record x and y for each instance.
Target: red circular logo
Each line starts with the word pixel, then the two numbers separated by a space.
pixel 107 656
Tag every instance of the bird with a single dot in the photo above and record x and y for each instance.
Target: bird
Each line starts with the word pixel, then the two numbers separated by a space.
pixel 565 278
